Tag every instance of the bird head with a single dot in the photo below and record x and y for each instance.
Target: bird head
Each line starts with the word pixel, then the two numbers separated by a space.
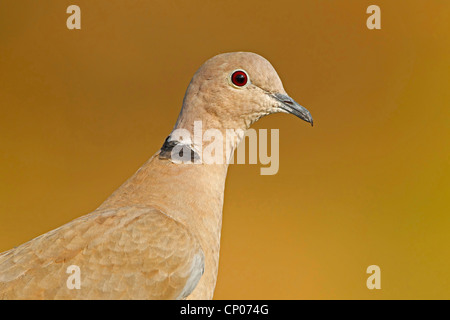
pixel 233 90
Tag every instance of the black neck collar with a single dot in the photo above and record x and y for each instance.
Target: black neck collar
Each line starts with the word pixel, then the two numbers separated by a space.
pixel 181 152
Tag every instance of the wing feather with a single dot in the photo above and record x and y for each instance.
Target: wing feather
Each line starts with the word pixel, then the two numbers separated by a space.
pixel 125 253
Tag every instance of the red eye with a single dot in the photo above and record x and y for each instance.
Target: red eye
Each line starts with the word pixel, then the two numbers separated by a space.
pixel 239 78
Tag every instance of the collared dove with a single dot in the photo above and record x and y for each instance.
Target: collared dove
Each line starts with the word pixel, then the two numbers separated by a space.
pixel 158 235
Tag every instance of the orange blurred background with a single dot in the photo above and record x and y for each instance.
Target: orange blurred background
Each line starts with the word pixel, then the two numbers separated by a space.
pixel 81 110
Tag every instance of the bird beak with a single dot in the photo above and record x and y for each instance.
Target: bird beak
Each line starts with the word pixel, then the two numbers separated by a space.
pixel 289 105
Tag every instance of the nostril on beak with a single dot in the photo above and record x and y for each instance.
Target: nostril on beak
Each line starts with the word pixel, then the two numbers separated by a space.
pixel 289 105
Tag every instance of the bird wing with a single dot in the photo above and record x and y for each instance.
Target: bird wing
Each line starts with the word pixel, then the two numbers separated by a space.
pixel 124 253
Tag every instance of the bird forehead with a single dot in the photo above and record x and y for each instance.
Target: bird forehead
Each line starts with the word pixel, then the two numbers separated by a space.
pixel 260 70
pixel 250 62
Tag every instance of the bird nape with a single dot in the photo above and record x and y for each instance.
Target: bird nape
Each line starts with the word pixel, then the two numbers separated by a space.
pixel 158 235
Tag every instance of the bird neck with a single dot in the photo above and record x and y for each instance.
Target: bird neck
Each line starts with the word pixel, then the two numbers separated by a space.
pixel 207 141
pixel 186 180
pixel 189 193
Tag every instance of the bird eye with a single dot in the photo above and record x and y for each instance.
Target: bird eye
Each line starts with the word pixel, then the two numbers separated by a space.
pixel 239 78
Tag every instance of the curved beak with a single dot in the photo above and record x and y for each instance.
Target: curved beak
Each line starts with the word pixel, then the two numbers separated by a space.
pixel 289 105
